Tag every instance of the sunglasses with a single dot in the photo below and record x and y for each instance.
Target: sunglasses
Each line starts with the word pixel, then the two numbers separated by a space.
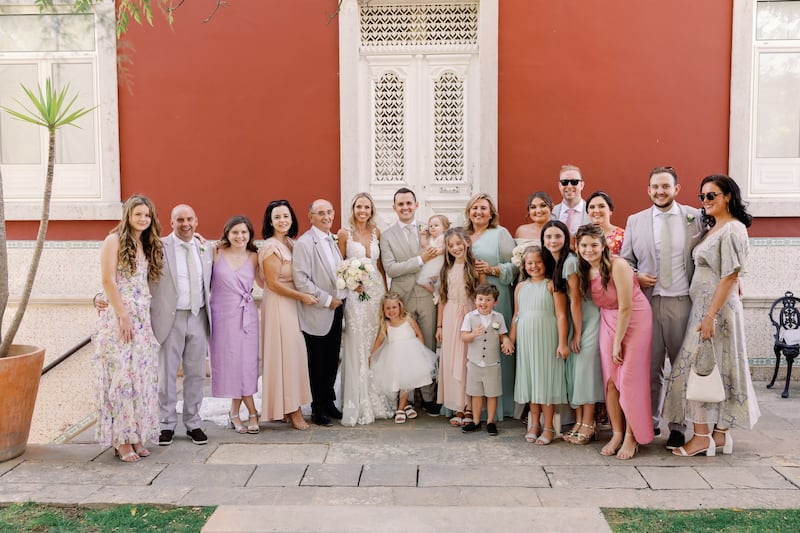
pixel 709 196
pixel 574 183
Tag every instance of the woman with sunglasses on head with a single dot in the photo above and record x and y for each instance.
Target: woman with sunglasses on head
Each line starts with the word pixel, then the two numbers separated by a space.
pixel 715 333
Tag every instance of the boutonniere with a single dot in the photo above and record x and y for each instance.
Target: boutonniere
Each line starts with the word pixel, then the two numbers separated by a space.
pixel 423 228
pixel 689 218
pixel 202 248
pixel 496 326
pixel 335 238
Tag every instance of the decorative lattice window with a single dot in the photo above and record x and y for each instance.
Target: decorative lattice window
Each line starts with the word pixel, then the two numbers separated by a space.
pixel 445 26
pixel 389 130
pixel 448 128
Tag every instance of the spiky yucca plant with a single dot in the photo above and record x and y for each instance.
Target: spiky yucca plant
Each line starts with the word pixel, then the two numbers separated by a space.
pixel 51 109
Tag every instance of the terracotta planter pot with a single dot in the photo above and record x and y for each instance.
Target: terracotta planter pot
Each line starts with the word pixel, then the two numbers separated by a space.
pixel 19 383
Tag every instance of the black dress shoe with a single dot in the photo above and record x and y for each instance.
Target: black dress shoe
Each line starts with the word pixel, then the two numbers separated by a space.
pixel 675 440
pixel 333 412
pixel 197 435
pixel 165 439
pixel 656 431
pixel 433 408
pixel 491 429
pixel 471 427
pixel 321 420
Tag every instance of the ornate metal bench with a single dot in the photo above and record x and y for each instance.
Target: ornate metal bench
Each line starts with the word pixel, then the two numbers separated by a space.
pixel 785 316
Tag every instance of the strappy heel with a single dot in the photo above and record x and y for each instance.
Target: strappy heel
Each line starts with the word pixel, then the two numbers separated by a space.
pixel 711 451
pixel 608 452
pixel 544 441
pixel 127 457
pixel 569 435
pixel 583 438
pixel 727 447
pixel 235 423
pixel 252 427
pixel 624 456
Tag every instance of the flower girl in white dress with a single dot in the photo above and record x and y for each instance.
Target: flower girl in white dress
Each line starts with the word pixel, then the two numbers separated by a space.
pixel 400 361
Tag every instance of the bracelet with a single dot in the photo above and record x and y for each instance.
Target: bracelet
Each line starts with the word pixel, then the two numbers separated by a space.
pixel 438 327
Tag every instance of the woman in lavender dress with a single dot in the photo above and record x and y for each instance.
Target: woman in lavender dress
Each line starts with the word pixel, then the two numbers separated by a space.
pixel 234 322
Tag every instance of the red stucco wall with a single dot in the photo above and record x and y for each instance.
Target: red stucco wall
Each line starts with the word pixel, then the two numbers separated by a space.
pixel 230 114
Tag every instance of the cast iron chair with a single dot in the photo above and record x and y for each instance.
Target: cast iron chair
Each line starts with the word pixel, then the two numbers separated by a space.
pixel 787 334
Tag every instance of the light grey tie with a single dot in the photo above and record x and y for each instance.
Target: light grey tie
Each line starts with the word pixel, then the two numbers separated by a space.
pixel 413 239
pixel 665 266
pixel 334 252
pixel 194 279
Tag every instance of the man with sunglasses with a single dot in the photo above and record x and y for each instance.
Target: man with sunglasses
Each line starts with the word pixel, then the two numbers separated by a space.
pixel 658 245
pixel 572 209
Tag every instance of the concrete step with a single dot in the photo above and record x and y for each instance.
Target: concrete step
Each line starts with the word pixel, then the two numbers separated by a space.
pixel 403 519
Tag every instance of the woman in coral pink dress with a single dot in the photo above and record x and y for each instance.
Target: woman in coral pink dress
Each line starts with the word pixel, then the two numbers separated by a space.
pixel 626 328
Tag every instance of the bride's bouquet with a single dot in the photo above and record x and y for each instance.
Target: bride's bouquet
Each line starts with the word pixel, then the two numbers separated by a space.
pixel 353 273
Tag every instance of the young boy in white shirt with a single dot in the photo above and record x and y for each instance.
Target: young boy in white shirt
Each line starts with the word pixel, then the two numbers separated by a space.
pixel 485 334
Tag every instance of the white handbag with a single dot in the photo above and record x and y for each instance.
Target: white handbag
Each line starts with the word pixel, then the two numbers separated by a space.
pixel 706 388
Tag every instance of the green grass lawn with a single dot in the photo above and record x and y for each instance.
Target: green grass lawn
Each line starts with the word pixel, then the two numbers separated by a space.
pixel 37 517
pixel 715 520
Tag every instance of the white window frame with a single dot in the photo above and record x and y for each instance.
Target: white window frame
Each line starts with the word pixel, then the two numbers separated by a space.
pixel 784 200
pixel 103 201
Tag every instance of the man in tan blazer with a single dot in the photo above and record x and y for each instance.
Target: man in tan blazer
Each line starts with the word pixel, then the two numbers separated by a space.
pixel 403 257
pixel 658 245
pixel 180 313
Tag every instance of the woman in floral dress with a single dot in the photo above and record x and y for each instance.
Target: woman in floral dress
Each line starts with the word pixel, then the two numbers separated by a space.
pixel 126 354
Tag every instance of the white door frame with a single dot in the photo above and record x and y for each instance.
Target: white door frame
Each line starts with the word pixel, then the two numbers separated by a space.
pixel 352 132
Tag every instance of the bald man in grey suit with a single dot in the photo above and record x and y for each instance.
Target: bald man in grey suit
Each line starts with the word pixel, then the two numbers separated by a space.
pixel 180 313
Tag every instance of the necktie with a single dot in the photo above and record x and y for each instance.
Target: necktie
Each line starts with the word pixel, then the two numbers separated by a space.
pixel 194 279
pixel 334 252
pixel 665 266
pixel 411 236
pixel 570 214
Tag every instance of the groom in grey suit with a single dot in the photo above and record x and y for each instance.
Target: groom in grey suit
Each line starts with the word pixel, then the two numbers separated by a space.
pixel 402 259
pixel 180 314
pixel 658 245
pixel 315 258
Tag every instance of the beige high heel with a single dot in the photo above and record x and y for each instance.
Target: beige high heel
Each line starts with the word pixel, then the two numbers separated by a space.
pixel 711 451
pixel 582 438
pixel 608 452
pixel 252 427
pixel 727 447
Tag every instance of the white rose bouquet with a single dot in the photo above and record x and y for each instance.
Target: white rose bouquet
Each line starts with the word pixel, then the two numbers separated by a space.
pixel 353 273
pixel 516 255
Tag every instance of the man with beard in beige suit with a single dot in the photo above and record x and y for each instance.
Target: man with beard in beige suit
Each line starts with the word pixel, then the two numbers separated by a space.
pixel 658 245
pixel 403 257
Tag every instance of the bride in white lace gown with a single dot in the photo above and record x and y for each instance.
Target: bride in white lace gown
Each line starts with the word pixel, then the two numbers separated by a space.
pixel 362 402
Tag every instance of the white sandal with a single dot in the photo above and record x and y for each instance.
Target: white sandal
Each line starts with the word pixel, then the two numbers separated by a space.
pixel 400 417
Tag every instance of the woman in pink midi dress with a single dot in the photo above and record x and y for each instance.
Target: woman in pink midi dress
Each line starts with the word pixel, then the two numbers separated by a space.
pixel 626 329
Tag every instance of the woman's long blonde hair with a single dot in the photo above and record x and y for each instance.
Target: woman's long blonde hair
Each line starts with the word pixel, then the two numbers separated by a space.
pixel 151 241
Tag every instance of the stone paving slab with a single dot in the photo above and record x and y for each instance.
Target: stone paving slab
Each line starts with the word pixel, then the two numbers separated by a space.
pixel 325 519
pixel 336 496
pixel 72 474
pixel 482 476
pixel 378 475
pixel 597 477
pixel 277 475
pixel 61 453
pixel 209 496
pixel 736 477
pixel 331 476
pixel 189 475
pixel 46 492
pixel 121 494
pixel 269 454
pixel 673 478
pixel 790 473
pixel 670 499
pixel 9 465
